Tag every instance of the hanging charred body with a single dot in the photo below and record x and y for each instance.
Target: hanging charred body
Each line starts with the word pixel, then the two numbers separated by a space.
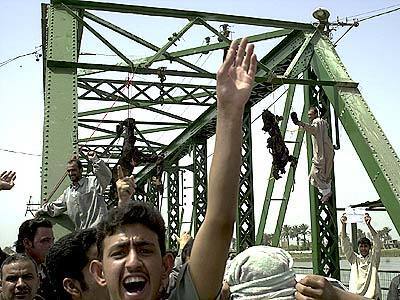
pixel 276 144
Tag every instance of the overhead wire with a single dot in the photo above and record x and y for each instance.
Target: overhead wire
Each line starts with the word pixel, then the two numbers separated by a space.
pixel 35 52
pixel 369 12
pixel 20 152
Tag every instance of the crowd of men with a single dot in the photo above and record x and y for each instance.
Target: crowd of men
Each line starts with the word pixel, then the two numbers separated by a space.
pixel 121 254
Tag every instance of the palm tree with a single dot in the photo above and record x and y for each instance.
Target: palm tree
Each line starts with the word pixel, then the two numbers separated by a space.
pixel 384 234
pixel 295 233
pixel 286 234
pixel 304 230
pixel 267 239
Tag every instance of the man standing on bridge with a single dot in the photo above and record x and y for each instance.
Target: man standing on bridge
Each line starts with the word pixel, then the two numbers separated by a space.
pixel 83 200
pixel 322 161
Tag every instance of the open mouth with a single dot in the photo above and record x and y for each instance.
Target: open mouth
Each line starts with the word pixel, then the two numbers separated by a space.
pixel 134 285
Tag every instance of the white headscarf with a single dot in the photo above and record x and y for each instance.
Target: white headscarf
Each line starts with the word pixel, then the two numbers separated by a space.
pixel 262 272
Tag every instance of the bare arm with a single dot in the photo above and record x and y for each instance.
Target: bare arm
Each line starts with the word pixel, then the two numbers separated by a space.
pixel 210 249
pixel 347 247
pixel 308 127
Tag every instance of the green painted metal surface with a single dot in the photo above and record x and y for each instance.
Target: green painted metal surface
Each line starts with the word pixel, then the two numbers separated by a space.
pixel 370 142
pixel 60 132
pixel 245 225
pixel 199 182
pixel 174 216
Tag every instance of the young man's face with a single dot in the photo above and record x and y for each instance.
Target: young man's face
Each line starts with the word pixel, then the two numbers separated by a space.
pixel 364 249
pixel 19 280
pixel 41 244
pixel 74 173
pixel 132 264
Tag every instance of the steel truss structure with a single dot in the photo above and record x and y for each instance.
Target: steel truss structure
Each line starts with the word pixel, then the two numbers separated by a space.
pixel 86 98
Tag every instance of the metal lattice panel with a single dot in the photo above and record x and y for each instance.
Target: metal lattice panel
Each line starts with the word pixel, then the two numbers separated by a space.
pixel 245 227
pixel 173 206
pixel 152 194
pixel 199 182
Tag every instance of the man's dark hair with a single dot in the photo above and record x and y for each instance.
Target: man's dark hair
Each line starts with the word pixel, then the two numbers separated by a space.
pixel 15 258
pixel 75 161
pixel 28 230
pixel 3 256
pixel 187 250
pixel 133 213
pixel 365 241
pixel 314 109
pixel 67 258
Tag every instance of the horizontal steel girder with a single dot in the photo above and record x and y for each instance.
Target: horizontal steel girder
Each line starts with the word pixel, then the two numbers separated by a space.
pixel 183 14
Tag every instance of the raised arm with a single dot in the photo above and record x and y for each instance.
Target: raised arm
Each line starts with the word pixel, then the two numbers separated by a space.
pixel 210 249
pixel 377 243
pixel 125 187
pixel 347 247
pixel 102 172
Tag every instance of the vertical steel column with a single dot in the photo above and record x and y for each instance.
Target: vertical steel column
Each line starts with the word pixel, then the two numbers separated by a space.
pixel 173 205
pixel 60 132
pixel 325 246
pixel 245 225
pixel 199 182
pixel 152 194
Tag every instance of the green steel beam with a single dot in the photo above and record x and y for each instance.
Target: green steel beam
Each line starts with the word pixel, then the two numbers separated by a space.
pixel 140 41
pixel 222 45
pixel 136 122
pixel 110 136
pixel 289 184
pixel 99 36
pixel 60 106
pixel 199 182
pixel 174 217
pixel 271 179
pixel 172 40
pixel 166 128
pixel 183 14
pixel 370 142
pixel 301 55
pixel 152 83
pixel 245 225
pixel 126 69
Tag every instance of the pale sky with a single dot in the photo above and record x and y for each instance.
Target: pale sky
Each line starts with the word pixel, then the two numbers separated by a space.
pixel 369 53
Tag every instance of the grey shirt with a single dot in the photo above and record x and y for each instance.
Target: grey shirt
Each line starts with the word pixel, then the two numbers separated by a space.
pixel 84 203
pixel 184 288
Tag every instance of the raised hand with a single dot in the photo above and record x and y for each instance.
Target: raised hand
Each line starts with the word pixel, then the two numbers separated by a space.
pixel 125 186
pixel 294 118
pixel 343 219
pixel 7 180
pixel 236 75
pixel 183 239
pixel 367 219
pixel 92 156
